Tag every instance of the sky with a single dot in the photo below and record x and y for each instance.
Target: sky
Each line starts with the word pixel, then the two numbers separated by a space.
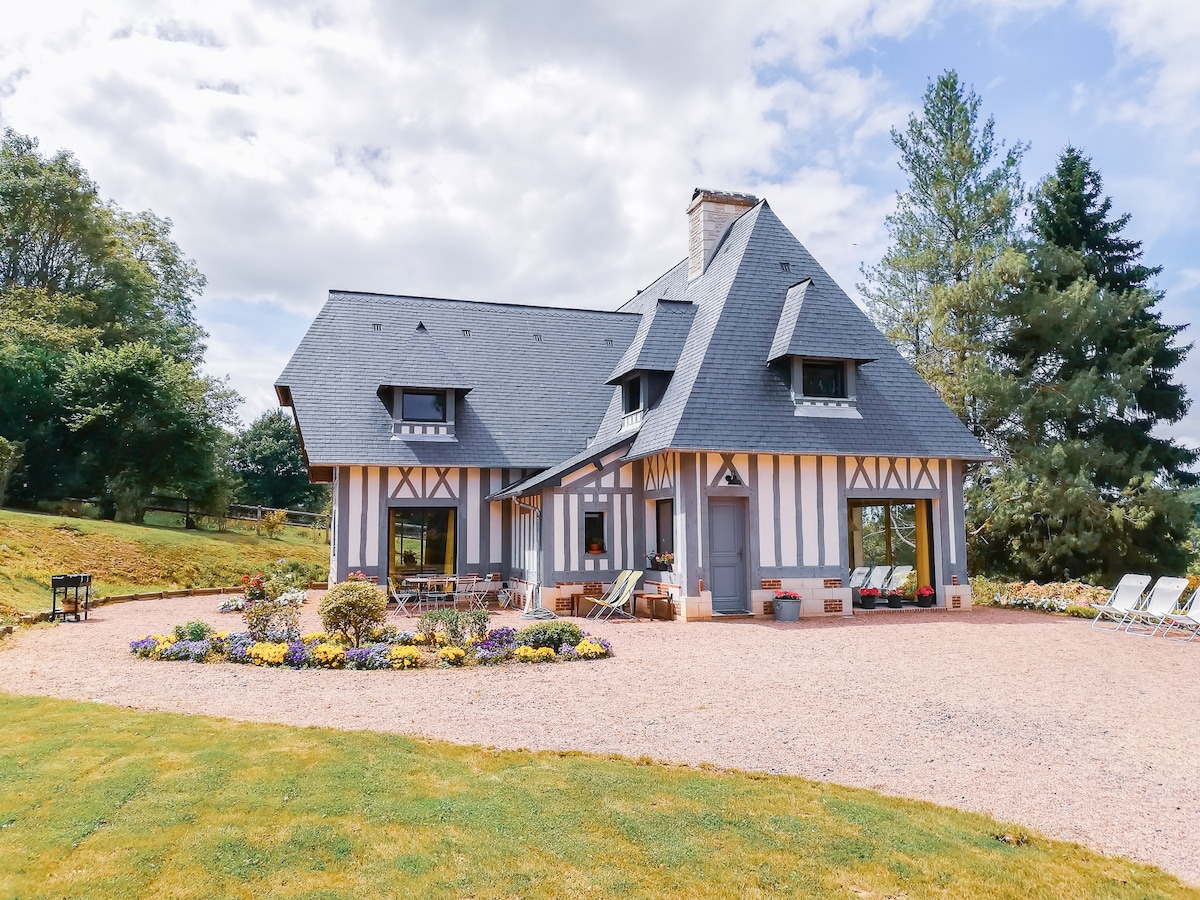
pixel 541 152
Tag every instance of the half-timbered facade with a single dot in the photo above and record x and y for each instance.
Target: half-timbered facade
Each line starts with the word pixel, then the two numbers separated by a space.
pixel 737 427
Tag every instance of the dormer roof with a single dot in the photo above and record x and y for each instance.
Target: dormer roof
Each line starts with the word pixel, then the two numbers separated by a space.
pixel 421 362
pixel 660 336
pixel 831 327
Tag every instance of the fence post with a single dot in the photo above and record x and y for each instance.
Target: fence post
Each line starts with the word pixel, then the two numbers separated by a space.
pixel 257 518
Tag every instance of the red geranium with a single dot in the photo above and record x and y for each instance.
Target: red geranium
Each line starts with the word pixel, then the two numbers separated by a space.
pixel 869 592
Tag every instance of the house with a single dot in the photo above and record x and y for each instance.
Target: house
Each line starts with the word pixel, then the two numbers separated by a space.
pixel 740 414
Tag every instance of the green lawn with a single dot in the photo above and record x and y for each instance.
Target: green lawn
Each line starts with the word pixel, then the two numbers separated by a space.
pixel 132 558
pixel 103 802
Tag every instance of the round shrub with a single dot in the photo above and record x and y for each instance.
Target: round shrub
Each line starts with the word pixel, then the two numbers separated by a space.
pixel 549 634
pixel 353 609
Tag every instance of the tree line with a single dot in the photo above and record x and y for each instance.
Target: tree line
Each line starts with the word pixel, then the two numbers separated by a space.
pixel 101 393
pixel 1033 316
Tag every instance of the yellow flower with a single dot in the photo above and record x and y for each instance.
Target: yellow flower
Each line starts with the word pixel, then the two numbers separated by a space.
pixel 406 658
pixel 269 654
pixel 538 655
pixel 589 649
pixel 331 656
pixel 455 656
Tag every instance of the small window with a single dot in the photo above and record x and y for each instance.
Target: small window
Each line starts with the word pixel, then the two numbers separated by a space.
pixel 593 532
pixel 824 379
pixel 664 520
pixel 423 406
pixel 633 395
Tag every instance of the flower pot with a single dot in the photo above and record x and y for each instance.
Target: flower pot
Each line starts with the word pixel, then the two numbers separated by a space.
pixel 866 602
pixel 894 600
pixel 925 602
pixel 787 610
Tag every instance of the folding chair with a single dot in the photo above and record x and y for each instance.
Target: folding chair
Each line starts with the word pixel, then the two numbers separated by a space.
pixel 1187 620
pixel 1125 597
pixel 878 577
pixel 896 580
pixel 1164 597
pixel 403 597
pixel 615 599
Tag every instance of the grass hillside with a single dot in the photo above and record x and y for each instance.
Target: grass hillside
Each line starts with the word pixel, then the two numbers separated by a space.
pixel 130 558
pixel 99 802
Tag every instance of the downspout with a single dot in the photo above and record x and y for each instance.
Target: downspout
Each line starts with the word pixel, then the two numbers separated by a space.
pixel 533 606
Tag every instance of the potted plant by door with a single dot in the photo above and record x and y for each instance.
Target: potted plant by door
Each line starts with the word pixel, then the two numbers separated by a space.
pixel 660 562
pixel 867 597
pixel 925 595
pixel 787 606
pixel 895 598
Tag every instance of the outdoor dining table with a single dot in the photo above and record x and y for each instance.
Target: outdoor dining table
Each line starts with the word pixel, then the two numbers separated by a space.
pixel 433 590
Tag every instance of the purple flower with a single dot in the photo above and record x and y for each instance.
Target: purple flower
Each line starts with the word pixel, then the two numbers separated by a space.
pixel 296 655
pixel 504 635
pixel 142 646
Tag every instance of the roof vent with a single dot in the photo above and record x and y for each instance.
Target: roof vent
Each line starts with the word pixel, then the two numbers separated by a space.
pixel 466 332
pixel 538 338
pixel 421 326
pixel 608 342
pixel 377 326
pixel 785 267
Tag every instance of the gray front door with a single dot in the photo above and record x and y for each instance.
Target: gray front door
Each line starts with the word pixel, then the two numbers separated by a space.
pixel 727 555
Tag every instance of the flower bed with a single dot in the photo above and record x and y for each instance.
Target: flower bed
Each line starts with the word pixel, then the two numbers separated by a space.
pixel 1072 598
pixel 390 648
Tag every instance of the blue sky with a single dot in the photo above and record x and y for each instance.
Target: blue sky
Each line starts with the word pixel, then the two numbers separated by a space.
pixel 545 153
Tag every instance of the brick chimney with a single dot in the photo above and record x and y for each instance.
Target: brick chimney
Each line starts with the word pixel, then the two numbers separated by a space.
pixel 709 214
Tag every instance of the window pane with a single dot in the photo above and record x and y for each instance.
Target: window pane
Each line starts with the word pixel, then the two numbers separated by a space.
pixel 824 379
pixel 424 406
pixel 423 541
pixel 664 515
pixel 593 532
pixel 633 395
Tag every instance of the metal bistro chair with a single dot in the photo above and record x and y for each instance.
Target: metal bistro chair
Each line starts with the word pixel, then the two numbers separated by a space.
pixel 403 596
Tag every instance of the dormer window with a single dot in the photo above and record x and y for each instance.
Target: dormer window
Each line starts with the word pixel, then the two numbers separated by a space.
pixel 423 406
pixel 422 414
pixel 824 387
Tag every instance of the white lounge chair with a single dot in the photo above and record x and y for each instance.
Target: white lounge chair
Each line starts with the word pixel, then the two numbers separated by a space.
pixel 896 579
pixel 1187 621
pixel 858 577
pixel 1125 597
pixel 1163 599
pixel 878 577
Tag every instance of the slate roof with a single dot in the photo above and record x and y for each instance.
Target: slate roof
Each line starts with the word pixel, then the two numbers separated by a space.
pixel 536 404
pixel 553 476
pixel 532 404
pixel 724 396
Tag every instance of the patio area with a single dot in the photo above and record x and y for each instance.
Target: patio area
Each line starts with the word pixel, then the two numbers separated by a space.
pixel 1035 719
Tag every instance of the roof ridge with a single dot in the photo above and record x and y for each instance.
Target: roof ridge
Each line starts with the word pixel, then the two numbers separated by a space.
pixel 500 303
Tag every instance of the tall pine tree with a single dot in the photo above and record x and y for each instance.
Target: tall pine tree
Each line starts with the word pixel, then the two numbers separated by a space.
pixel 1080 382
pixel 934 292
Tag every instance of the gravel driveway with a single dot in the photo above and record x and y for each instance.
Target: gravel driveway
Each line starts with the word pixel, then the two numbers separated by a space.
pixel 1087 736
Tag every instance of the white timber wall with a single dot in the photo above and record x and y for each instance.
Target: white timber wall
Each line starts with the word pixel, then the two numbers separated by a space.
pixel 364 496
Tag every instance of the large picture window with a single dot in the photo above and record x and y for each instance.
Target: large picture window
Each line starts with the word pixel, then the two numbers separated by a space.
pixel 423 541
pixel 423 406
